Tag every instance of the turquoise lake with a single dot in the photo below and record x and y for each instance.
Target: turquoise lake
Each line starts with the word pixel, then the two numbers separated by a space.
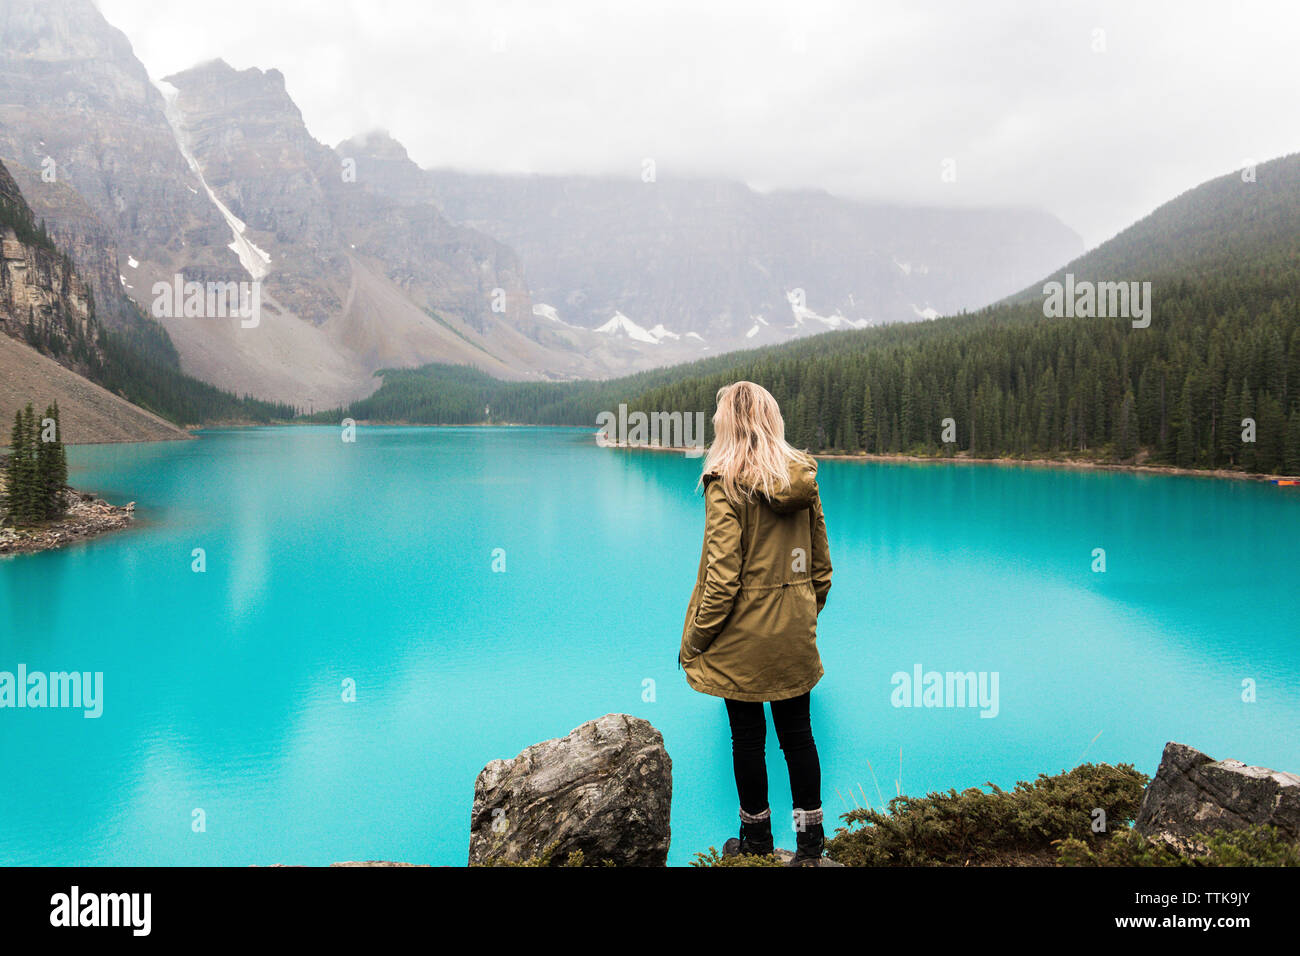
pixel 372 562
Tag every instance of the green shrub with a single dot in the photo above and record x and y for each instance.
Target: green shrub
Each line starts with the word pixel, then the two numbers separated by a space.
pixel 1251 846
pixel 999 827
pixel 714 858
pixel 546 858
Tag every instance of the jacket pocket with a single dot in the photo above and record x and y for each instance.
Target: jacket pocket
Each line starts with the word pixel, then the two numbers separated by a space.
pixel 688 652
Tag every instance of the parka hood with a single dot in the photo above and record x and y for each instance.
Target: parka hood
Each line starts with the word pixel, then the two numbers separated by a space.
pixel 799 494
pixel 801 491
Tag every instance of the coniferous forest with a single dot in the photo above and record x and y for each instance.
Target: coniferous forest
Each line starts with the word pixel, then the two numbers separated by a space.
pixel 37 472
pixel 1017 385
pixel 1212 382
pixel 1013 384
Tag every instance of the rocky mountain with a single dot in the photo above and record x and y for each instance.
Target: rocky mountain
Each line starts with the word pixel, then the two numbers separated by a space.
pixel 76 228
pixel 386 173
pixel 355 259
pixel 49 336
pixel 77 110
pixel 42 299
pixel 213 177
pixel 733 267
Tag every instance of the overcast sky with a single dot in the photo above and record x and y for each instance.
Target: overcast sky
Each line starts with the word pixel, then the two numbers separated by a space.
pixel 1097 112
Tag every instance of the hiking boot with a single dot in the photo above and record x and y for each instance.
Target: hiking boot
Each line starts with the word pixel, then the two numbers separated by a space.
pixel 810 838
pixel 755 837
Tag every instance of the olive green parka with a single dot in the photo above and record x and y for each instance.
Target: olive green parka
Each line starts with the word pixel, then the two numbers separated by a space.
pixel 765 570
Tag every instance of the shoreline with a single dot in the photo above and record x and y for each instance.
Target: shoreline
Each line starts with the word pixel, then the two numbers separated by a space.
pixel 88 516
pixel 186 434
pixel 1060 463
pixel 1075 464
pixel 372 423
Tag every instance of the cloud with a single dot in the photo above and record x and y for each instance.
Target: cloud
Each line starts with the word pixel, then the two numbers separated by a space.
pixel 864 100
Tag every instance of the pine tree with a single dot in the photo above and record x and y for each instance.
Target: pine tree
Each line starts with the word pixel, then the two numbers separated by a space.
pixel 1291 455
pixel 61 459
pixel 1246 409
pixel 29 481
pixel 848 438
pixel 1230 429
pixel 905 433
pixel 1185 429
pixel 14 491
pixel 1271 435
pixel 24 503
pixel 1126 444
pixel 51 465
pixel 868 421
pixel 44 446
pixel 38 469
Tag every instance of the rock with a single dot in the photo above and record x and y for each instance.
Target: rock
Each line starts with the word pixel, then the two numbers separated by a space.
pixel 785 856
pixel 86 517
pixel 378 863
pixel 1193 793
pixel 605 789
pixel 350 863
pixel 732 848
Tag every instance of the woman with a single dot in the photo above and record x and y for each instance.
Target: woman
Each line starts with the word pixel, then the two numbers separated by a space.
pixel 751 625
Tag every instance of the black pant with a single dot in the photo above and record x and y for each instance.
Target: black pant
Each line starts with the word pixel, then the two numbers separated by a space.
pixel 794 731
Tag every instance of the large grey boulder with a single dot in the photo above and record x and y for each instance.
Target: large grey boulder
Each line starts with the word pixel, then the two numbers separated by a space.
pixel 606 789
pixel 1193 793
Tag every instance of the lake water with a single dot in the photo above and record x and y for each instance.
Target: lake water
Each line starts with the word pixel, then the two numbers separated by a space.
pixel 372 563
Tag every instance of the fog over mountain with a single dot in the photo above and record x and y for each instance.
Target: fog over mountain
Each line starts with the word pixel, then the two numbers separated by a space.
pixel 1094 111
pixel 365 261
pixel 719 259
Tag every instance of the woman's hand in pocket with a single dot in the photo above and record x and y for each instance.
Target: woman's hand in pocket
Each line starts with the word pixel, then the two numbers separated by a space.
pixel 687 653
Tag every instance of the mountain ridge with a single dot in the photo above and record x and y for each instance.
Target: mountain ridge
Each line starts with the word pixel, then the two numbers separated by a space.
pixel 1212 382
pixel 566 266
pixel 1228 218
pixel 213 176
pixel 713 256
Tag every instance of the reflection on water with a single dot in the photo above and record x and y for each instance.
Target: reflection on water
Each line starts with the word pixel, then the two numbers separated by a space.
pixel 372 563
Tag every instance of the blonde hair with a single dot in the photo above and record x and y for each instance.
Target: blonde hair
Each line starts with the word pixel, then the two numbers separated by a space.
pixel 749 452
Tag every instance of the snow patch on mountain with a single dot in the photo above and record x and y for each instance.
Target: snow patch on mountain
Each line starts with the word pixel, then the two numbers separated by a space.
pixel 620 324
pixel 549 312
pixel 256 262
pixel 660 333
pixel 803 315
